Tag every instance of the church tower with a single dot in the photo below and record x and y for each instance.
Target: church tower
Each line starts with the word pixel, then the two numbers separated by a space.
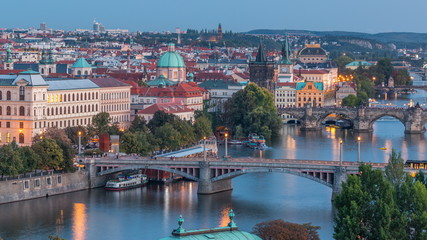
pixel 47 64
pixel 8 62
pixel 219 32
pixel 285 66
pixel 261 71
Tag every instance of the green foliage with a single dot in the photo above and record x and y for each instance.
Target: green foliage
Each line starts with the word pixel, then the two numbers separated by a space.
pixel 351 101
pixel 202 127
pixel 159 119
pixel 341 61
pixel 73 134
pixel 253 109
pixel 401 77
pixel 169 137
pixel 374 205
pixel 281 230
pixel 30 159
pixel 10 162
pixel 383 70
pixel 100 123
pixel 50 153
pixel 138 125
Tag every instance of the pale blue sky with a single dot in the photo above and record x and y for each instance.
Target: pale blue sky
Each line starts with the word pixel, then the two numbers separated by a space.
pixel 370 16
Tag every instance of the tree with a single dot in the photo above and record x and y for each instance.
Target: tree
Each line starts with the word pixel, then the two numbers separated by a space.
pixel 168 137
pixel 138 125
pixel 202 127
pixel 30 160
pixel 253 108
pixel 281 230
pixel 401 77
pixel 130 143
pixel 383 70
pixel 101 122
pixel 342 60
pixel 159 119
pixel 394 170
pixel 350 101
pixel 50 153
pixel 10 161
pixel 186 131
pixel 73 134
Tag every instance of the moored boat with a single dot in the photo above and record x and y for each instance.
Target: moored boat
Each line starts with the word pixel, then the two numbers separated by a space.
pixel 235 142
pixel 126 182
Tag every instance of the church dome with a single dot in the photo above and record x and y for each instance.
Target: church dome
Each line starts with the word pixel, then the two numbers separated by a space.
pixel 312 49
pixel 171 59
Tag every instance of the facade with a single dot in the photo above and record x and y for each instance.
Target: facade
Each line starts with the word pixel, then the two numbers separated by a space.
pixel 309 92
pixel 285 96
pixel 47 64
pixel 328 77
pixel 344 89
pixel 262 72
pixel 8 62
pixel 220 92
pixel 312 53
pixel 171 65
pixel 29 104
pixel 285 66
pixel 81 68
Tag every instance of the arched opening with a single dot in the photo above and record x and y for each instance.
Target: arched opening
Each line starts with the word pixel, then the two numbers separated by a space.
pixel 336 120
pixel 8 95
pixel 386 123
pixel 8 111
pixel 21 138
pixel 21 111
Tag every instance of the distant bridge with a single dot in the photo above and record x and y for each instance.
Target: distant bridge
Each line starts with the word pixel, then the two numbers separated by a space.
pixel 363 118
pixel 214 175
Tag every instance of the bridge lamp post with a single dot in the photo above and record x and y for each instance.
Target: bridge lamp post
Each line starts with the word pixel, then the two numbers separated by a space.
pixel 204 148
pixel 359 139
pixel 226 144
pixel 80 142
pixel 340 153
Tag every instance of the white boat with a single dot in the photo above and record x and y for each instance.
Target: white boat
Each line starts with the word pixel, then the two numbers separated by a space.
pixel 235 142
pixel 126 182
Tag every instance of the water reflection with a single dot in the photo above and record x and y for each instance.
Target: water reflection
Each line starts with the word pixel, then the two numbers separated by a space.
pixel 79 221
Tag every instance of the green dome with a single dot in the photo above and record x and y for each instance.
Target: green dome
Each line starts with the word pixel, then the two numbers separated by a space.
pixel 171 59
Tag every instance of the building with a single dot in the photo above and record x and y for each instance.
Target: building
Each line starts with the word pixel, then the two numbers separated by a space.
pixel 220 91
pixel 47 64
pixel 182 112
pixel 355 64
pixel 29 104
pixel 229 232
pixel 262 71
pixel 313 53
pixel 309 92
pixel 171 65
pixel 285 96
pixel 328 77
pixel 43 26
pixel 344 89
pixel 81 68
pixel 8 62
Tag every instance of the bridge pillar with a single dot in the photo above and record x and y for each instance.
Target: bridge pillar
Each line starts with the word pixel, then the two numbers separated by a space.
pixel 361 123
pixel 310 122
pixel 91 170
pixel 206 186
pixel 340 176
pixel 414 121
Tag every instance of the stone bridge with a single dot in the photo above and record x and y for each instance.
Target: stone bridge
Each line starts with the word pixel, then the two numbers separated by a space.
pixel 363 118
pixel 214 175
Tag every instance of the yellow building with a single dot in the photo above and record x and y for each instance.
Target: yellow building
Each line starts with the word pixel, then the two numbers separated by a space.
pixel 309 92
pixel 29 104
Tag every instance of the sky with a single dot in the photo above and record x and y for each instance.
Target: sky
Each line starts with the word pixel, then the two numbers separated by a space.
pixel 370 16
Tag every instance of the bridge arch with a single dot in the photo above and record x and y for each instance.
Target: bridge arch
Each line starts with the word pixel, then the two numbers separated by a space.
pixel 349 115
pixel 237 173
pixel 138 167
pixel 387 114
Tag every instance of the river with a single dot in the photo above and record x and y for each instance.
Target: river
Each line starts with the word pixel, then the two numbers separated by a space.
pixel 151 212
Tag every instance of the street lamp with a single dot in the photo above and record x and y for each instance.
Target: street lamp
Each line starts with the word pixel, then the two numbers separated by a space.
pixel 226 144
pixel 80 142
pixel 204 148
pixel 359 139
pixel 340 153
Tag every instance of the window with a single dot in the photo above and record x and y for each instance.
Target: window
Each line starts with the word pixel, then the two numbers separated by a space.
pixel 21 111
pixel 8 95
pixel 21 138
pixel 22 93
pixel 37 183
pixel 21 124
pixel 1 110
pixel 59 179
pixel 7 124
pixel 26 184
pixel 1 95
pixel 8 111
pixel 48 181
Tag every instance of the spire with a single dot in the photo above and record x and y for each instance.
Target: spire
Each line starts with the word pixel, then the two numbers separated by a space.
pixel 44 58
pixel 8 55
pixel 260 57
pixel 285 53
pixel 50 60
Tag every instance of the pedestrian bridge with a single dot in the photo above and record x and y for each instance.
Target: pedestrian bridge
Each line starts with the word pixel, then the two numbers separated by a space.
pixel 214 175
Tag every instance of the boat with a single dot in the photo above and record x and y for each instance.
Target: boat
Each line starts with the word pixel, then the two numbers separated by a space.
pixel 383 148
pixel 235 142
pixel 126 181
pixel 253 137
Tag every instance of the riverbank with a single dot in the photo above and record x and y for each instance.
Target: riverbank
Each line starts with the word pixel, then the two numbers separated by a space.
pixel 42 186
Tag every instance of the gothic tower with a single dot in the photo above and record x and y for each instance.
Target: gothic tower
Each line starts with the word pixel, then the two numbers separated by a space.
pixel 285 66
pixel 261 71
pixel 219 32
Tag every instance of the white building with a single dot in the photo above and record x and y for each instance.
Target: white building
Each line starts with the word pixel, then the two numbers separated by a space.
pixel 285 96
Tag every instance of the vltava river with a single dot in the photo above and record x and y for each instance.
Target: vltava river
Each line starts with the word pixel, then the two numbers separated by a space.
pixel 151 212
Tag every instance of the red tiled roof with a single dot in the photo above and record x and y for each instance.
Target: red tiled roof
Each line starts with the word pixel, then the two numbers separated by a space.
pixel 312 71
pixel 289 84
pixel 165 107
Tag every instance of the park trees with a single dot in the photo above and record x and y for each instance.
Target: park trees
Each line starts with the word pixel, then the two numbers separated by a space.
pixel 350 101
pixel 50 153
pixel 253 109
pixel 10 162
